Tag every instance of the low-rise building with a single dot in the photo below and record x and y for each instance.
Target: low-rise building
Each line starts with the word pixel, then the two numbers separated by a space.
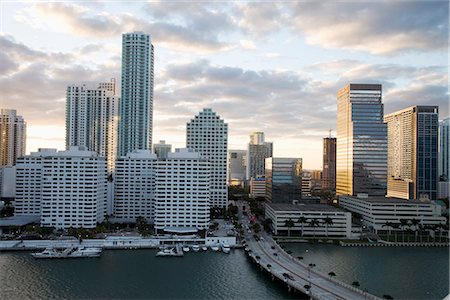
pixel 375 212
pixel 309 220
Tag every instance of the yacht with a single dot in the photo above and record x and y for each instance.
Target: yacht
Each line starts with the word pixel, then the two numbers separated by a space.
pixel 186 248
pixel 204 248
pixel 195 248
pixel 165 251
pixel 68 253
pixel 225 248
pixel 215 247
pixel 86 252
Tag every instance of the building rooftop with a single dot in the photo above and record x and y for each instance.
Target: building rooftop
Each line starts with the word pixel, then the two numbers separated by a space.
pixel 389 200
pixel 303 207
pixel 19 220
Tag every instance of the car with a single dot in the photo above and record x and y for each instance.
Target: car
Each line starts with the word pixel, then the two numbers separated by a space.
pixel 288 276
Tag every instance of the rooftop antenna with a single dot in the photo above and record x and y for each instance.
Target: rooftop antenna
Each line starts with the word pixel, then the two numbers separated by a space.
pixel 330 130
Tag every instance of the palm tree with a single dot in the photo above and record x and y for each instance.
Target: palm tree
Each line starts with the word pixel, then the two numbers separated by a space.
pixel 415 223
pixel 395 226
pixel 302 220
pixel 403 224
pixel 289 224
pixel 355 284
pixel 389 226
pixel 327 221
pixel 314 223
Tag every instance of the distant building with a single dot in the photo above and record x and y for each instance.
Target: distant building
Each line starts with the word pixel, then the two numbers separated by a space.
pixel 339 221
pixel 283 179
pixel 258 151
pixel 237 164
pixel 444 156
pixel 307 183
pixel 92 118
pixel 136 105
pixel 162 149
pixel 329 164
pixel 376 211
pixel 182 191
pixel 413 152
pixel 134 186
pixel 258 187
pixel 13 130
pixel 7 182
pixel 361 148
pixel 207 134
pixel 66 188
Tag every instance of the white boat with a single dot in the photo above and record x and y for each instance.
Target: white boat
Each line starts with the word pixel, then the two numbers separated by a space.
pixel 215 247
pixel 186 248
pixel 170 252
pixel 86 252
pixel 225 248
pixel 204 248
pixel 68 253
pixel 195 248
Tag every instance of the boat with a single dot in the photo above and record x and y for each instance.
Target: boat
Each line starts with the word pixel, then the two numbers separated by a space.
pixel 170 252
pixel 204 248
pixel 215 247
pixel 225 248
pixel 68 252
pixel 195 248
pixel 186 248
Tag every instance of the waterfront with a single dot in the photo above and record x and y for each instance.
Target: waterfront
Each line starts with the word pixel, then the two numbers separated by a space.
pixel 137 274
pixel 401 272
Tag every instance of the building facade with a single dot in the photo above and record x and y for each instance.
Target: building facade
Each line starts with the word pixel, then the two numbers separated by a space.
pixel 444 156
pixel 66 188
pixel 258 187
pixel 361 147
pixel 13 129
pixel 258 151
pixel 283 179
pixel 182 194
pixel 207 134
pixel 413 152
pixel 237 164
pixel 92 118
pixel 136 105
pixel 329 164
pixel 162 149
pixel 134 186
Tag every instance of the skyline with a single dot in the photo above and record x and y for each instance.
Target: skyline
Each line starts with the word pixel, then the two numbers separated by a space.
pixel 228 57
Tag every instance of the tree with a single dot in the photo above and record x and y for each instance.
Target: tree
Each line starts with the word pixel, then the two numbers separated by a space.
pixel 256 227
pixel 314 223
pixel 332 274
pixel 415 223
pixel 327 221
pixel 395 226
pixel 302 220
pixel 403 224
pixel 389 226
pixel 289 224
pixel 389 297
pixel 267 223
pixel 356 284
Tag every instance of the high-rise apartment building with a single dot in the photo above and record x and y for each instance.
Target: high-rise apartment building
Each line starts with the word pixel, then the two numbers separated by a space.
pixel 12 137
pixel 237 163
pixel 92 118
pixel 136 105
pixel 413 152
pixel 444 154
pixel 258 151
pixel 134 186
pixel 66 188
pixel 283 179
pixel 207 134
pixel 329 164
pixel 182 192
pixel 361 148
pixel 162 149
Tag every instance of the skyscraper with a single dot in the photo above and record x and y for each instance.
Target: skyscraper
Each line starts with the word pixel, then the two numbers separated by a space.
pixel 92 118
pixel 237 163
pixel 283 179
pixel 12 137
pixel 413 152
pixel 162 149
pixel 444 154
pixel 361 154
pixel 207 134
pixel 258 151
pixel 136 105
pixel 329 164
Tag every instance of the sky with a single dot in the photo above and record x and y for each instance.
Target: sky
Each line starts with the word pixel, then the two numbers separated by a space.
pixel 264 66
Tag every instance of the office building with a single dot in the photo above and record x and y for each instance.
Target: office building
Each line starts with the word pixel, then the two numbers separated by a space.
pixel 237 164
pixel 92 118
pixel 134 186
pixel 361 146
pixel 444 156
pixel 66 188
pixel 413 152
pixel 329 164
pixel 207 134
pixel 258 187
pixel 283 179
pixel 7 182
pixel 12 137
pixel 136 105
pixel 182 192
pixel 307 183
pixel 162 149
pixel 258 151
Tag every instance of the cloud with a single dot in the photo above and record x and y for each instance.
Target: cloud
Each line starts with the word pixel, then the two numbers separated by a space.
pixel 386 28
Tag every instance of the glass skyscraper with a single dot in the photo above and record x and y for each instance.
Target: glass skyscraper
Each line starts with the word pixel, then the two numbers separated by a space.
pixel 413 152
pixel 361 154
pixel 136 105
pixel 329 164
pixel 283 179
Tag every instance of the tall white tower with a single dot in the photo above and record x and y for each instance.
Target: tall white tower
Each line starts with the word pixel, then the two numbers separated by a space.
pixel 12 137
pixel 92 118
pixel 136 106
pixel 207 134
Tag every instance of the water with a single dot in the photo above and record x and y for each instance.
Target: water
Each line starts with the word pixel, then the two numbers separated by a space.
pixel 136 274
pixel 401 272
